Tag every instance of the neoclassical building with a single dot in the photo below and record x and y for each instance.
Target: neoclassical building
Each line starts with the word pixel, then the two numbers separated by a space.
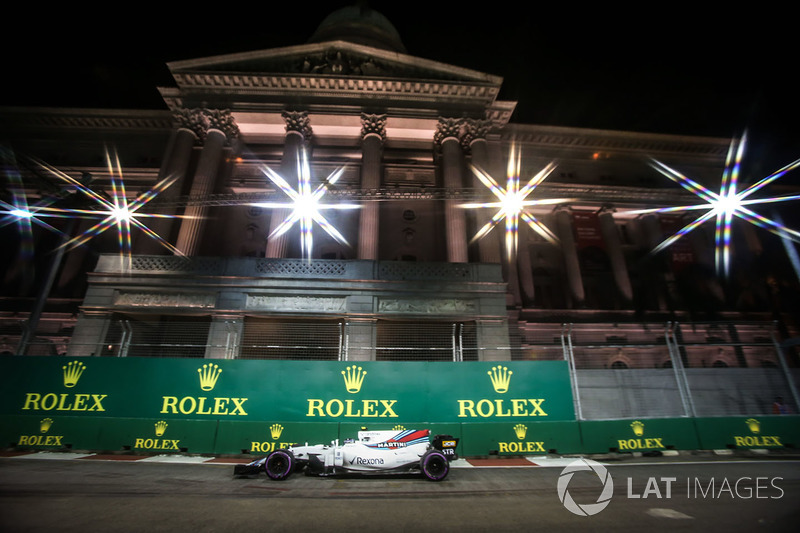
pixel 352 120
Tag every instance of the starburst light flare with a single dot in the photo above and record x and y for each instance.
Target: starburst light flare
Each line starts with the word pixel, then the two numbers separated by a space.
pixel 513 202
pixel 305 204
pixel 117 212
pixel 725 205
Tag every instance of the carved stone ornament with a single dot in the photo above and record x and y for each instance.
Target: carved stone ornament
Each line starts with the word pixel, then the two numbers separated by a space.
pixel 426 307
pixel 201 120
pixel 447 128
pixel 475 129
pixel 141 299
pixel 373 124
pixel 299 122
pixel 296 303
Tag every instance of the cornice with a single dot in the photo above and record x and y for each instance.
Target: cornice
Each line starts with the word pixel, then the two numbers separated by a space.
pixel 85 119
pixel 704 148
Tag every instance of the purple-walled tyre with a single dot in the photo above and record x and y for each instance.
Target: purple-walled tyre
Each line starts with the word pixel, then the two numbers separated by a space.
pixel 434 465
pixel 279 464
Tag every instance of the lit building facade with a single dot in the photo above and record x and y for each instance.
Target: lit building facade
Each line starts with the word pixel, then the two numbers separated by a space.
pixel 404 279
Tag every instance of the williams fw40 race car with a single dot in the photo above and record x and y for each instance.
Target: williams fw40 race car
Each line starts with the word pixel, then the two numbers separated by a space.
pixel 374 452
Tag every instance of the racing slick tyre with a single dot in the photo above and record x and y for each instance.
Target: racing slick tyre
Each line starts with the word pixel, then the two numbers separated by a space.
pixel 279 464
pixel 434 465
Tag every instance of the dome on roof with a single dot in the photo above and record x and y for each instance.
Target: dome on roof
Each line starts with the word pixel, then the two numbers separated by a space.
pixel 360 25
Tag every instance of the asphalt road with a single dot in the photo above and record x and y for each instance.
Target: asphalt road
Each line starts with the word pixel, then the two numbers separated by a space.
pixel 706 495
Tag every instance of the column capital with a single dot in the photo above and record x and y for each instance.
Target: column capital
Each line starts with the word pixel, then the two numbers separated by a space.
pixel 448 128
pixel 298 122
pixel 475 130
pixel 373 125
pixel 199 121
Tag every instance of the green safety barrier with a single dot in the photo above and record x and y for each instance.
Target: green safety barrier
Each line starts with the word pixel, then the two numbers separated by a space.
pixel 748 432
pixel 641 435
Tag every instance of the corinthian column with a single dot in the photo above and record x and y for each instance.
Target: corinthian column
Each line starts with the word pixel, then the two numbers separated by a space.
pixel 475 141
pixel 373 134
pixel 298 134
pixel 447 138
pixel 614 249
pixel 220 126
pixel 190 127
pixel 570 254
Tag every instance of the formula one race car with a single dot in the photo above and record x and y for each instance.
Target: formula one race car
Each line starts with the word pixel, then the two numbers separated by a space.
pixel 375 452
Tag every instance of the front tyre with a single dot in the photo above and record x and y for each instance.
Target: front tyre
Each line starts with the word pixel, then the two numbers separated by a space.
pixel 279 464
pixel 434 465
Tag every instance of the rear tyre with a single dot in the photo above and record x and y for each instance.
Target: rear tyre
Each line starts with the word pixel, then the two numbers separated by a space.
pixel 279 464
pixel 434 465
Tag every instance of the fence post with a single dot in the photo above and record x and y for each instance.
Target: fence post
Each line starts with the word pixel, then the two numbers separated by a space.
pixel 678 369
pixel 569 355
pixel 786 372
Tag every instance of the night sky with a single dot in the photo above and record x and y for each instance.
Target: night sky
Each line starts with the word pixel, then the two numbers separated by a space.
pixel 652 70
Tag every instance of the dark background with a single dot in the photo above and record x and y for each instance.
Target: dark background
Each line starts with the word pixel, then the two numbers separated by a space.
pixel 664 68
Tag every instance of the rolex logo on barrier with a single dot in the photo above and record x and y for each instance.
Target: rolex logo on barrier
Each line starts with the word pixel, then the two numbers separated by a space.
pixel 62 401
pixel 652 443
pixel 161 427
pixel 209 374
pixel 398 427
pixel 203 405
pixel 72 373
pixel 501 377
pixel 44 425
pixel 756 440
pixel 275 432
pixel 159 444
pixel 521 431
pixel 353 378
pixel 42 440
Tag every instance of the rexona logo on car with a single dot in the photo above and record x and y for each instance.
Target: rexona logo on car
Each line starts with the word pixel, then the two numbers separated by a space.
pixel 500 378
pixel 353 377
pixel 367 461
pixel 203 405
pixel 62 401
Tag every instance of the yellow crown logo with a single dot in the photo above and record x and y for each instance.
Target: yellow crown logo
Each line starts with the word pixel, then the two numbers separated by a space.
pixel 398 427
pixel 500 376
pixel 275 431
pixel 353 378
pixel 208 376
pixel 72 373
pixel 161 427
pixel 44 425
pixel 521 430
pixel 753 425
pixel 638 428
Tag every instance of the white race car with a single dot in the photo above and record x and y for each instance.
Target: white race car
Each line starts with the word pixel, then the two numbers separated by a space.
pixel 381 452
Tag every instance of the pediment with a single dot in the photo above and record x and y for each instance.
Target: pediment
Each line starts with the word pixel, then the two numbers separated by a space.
pixel 334 58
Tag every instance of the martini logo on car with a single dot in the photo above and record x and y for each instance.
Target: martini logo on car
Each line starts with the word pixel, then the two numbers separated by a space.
pixel 651 443
pixel 756 440
pixel 51 401
pixel 203 405
pixel 500 378
pixel 41 440
pixel 149 443
pixel 521 431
